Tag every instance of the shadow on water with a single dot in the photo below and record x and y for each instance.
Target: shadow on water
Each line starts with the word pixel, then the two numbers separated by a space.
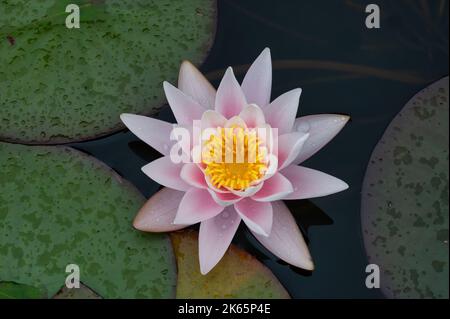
pixel 144 151
pixel 305 213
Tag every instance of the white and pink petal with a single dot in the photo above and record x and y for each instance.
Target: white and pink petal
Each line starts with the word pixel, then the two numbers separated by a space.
pixel 215 237
pixel 194 84
pixel 310 183
pixel 230 99
pixel 322 128
pixel 253 116
pixel 196 206
pixel 273 189
pixel 193 175
pixel 282 111
pixel 256 215
pixel 212 119
pixel 222 198
pixel 184 108
pixel 289 146
pixel 257 83
pixel 165 172
pixel 285 240
pixel 155 133
pixel 249 191
pixel 158 213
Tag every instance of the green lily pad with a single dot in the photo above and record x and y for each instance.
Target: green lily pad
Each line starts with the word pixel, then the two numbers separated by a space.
pixel 59 206
pixel 238 274
pixel 12 290
pixel 405 199
pixel 59 84
pixel 83 292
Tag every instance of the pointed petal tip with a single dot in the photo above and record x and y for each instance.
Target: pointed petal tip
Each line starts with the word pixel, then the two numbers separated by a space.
pixel 230 98
pixel 229 72
pixel 137 224
pixel 344 186
pixel 140 225
pixel 167 85
pixel 308 265
pixel 297 93
pixel 304 263
pixel 126 117
pixel 340 185
pixel 186 63
pixel 342 118
pixel 266 54
pixel 204 270
pixel 207 264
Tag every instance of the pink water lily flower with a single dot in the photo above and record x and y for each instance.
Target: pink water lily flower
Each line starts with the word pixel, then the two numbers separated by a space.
pixel 220 195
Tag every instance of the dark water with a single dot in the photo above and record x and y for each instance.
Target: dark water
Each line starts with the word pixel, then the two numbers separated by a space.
pixel 409 52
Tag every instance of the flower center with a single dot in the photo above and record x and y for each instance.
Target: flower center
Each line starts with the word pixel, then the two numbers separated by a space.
pixel 234 158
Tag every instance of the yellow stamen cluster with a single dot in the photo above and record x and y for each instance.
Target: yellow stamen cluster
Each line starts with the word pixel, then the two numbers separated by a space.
pixel 234 158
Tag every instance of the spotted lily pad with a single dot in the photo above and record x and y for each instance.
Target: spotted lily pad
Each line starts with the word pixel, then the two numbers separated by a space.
pixel 405 199
pixel 60 207
pixel 59 84
pixel 238 274
pixel 12 290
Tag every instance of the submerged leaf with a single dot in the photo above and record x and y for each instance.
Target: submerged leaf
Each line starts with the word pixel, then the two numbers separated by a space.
pixel 238 274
